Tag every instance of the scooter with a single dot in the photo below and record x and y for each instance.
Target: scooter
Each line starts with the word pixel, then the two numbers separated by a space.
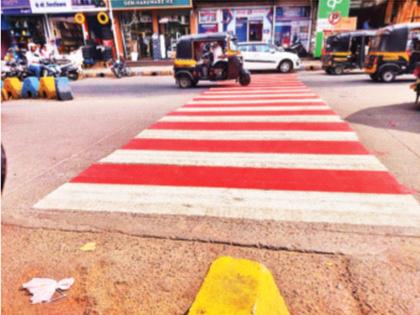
pixel 119 68
pixel 14 69
pixel 297 48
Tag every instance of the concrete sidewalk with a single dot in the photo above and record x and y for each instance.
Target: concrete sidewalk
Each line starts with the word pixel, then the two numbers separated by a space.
pixel 308 65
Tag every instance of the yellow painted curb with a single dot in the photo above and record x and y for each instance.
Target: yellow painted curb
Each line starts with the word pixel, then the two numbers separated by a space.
pixel 238 287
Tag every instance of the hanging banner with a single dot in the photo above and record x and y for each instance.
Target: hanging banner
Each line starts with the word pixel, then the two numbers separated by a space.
pixel 330 12
pixel 151 4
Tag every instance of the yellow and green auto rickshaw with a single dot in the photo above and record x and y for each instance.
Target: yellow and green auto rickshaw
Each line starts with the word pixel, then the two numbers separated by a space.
pixel 394 51
pixel 346 51
pixel 211 57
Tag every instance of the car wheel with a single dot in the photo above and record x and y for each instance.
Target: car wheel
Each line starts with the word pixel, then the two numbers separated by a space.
pixel 388 76
pixel 184 81
pixel 285 66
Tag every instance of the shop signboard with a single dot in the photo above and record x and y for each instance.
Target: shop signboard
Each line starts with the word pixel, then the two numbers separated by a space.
pixel 292 13
pixel 292 25
pixel 88 5
pixel 151 4
pixel 208 16
pixel 50 6
pixel 17 7
pixel 208 28
pixel 329 13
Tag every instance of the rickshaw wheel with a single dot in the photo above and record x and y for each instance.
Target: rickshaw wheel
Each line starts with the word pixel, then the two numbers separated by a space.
pixel 244 78
pixel 328 71
pixel 374 77
pixel 388 76
pixel 184 81
pixel 339 70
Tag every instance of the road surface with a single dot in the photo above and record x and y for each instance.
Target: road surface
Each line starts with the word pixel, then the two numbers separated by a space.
pixel 334 268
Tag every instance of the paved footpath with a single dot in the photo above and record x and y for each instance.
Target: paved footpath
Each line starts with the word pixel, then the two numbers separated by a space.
pixel 270 151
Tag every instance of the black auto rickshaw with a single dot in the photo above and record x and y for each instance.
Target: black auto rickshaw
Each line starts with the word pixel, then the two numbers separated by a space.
pixel 395 50
pixel 195 60
pixel 346 51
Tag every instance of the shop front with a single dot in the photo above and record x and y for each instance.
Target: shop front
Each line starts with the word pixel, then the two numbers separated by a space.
pixel 71 23
pixel 19 26
pixel 293 24
pixel 281 22
pixel 150 28
pixel 253 24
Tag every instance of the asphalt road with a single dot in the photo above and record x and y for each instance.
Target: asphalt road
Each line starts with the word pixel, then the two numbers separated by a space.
pixel 155 265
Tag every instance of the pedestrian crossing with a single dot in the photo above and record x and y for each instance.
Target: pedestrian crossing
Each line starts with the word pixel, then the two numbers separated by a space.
pixel 271 151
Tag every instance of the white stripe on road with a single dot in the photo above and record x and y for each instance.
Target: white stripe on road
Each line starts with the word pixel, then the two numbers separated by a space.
pixel 252 108
pixel 254 160
pixel 240 95
pixel 306 206
pixel 247 135
pixel 233 118
pixel 297 100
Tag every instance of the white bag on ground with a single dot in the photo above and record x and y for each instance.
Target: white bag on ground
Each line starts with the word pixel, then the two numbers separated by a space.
pixel 43 289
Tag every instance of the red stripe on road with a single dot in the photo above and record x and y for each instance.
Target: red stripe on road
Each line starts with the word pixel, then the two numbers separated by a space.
pixel 303 103
pixel 283 146
pixel 246 178
pixel 252 98
pixel 303 126
pixel 253 113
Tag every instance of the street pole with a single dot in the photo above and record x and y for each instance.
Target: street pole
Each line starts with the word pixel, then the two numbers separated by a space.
pixel 111 15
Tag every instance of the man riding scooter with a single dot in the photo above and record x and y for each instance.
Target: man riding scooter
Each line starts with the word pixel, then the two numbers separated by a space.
pixel 33 60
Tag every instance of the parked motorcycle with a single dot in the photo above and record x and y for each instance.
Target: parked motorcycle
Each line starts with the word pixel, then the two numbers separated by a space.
pixel 14 69
pixel 120 69
pixel 297 48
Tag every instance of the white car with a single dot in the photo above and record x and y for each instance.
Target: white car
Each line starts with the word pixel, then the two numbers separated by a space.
pixel 262 56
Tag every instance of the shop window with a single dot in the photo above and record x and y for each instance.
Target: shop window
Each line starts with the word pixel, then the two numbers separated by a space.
pixel 172 27
pixel 68 34
pixel 137 29
pixel 24 30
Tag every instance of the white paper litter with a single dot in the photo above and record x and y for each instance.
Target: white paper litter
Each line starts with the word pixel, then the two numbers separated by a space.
pixel 43 289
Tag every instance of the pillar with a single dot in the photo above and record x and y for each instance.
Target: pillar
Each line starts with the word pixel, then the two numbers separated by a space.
pixel 118 34
pixel 155 21
pixel 193 22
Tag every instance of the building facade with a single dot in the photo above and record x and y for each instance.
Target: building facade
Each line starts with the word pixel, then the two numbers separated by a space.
pixel 149 29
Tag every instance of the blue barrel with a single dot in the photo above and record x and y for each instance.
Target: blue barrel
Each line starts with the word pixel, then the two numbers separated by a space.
pixel 30 87
pixel 63 89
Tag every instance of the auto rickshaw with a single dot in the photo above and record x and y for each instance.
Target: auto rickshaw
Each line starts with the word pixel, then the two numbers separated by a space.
pixel 195 61
pixel 346 51
pixel 394 51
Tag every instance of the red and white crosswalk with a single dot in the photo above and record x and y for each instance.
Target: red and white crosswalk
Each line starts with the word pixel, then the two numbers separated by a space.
pixel 270 151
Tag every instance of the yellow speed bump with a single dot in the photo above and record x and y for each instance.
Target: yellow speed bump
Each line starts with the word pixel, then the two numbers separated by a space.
pixel 238 287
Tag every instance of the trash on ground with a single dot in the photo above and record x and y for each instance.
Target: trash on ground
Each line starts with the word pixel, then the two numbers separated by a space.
pixel 43 289
pixel 88 247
